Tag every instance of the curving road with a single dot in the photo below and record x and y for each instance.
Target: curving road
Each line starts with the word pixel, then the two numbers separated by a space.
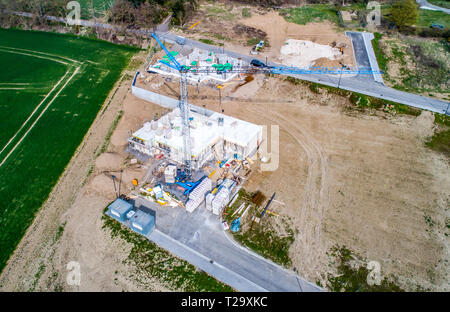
pixel 199 238
pixel 364 84
pixel 424 4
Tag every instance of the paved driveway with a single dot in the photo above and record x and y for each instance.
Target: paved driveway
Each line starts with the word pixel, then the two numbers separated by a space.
pixel 198 237
pixel 428 6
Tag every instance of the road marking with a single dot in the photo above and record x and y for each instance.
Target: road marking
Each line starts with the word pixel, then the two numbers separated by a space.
pixel 40 115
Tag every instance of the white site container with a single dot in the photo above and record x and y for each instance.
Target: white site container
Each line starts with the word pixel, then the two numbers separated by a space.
pixel 169 173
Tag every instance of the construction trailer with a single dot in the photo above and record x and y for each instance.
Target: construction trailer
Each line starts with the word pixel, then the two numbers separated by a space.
pixel 142 222
pixel 214 137
pixel 119 209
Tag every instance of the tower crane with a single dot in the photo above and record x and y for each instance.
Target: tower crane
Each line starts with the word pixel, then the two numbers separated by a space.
pixel 256 67
pixel 184 109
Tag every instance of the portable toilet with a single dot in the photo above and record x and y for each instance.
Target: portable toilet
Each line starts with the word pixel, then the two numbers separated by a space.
pixel 142 222
pixel 119 209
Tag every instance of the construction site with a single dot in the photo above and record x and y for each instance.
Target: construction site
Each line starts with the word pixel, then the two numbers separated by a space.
pixel 179 154
pixel 196 157
pixel 220 148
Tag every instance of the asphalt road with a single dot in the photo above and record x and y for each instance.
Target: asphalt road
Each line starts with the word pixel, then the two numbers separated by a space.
pixel 360 83
pixel 198 237
pixel 364 84
pixel 428 6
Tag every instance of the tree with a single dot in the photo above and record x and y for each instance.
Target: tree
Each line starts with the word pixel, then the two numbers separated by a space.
pixel 404 13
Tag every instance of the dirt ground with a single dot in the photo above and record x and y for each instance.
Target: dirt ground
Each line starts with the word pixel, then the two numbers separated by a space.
pixel 278 30
pixel 354 179
pixel 363 181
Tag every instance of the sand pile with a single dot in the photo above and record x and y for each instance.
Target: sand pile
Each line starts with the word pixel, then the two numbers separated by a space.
pixel 303 53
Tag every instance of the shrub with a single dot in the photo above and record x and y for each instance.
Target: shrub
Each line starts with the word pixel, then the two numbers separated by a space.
pixel 404 13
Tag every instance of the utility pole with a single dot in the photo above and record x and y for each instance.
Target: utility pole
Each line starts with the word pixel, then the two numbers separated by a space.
pixel 219 87
pixel 114 182
pixel 120 180
pixel 340 75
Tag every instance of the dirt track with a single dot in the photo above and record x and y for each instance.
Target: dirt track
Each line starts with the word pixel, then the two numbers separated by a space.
pixel 353 179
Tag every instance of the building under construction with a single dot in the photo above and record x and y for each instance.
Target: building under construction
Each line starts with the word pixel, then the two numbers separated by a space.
pixel 195 58
pixel 213 137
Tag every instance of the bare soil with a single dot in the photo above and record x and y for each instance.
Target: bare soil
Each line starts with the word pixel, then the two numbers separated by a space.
pixel 353 179
pixel 278 30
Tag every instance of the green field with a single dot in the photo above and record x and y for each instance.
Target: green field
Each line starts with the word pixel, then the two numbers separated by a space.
pixel 311 13
pixel 441 3
pixel 51 89
pixel 427 17
pixel 99 7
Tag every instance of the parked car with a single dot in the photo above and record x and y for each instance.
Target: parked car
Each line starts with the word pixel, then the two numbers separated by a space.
pixel 180 40
pixel 257 63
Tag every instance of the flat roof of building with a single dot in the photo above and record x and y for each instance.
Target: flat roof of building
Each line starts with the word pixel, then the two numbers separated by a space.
pixel 142 218
pixel 121 206
pixel 205 131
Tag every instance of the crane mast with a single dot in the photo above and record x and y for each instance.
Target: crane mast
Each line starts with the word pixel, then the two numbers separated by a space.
pixel 184 110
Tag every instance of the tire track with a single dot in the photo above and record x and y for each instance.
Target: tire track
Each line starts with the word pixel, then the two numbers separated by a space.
pixel 316 197
pixel 46 56
pixel 34 111
pixel 40 115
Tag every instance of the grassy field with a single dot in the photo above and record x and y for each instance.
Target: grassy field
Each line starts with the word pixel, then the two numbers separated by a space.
pixel 51 88
pixel 441 3
pixel 427 17
pixel 99 6
pixel 414 65
pixel 311 13
pixel 271 238
pixel 326 12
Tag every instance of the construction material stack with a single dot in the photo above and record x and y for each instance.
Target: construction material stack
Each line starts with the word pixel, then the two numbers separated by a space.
pixel 209 199
pixel 220 200
pixel 197 195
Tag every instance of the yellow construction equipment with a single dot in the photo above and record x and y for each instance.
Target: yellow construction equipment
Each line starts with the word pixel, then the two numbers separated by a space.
pixel 135 182
pixel 193 25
